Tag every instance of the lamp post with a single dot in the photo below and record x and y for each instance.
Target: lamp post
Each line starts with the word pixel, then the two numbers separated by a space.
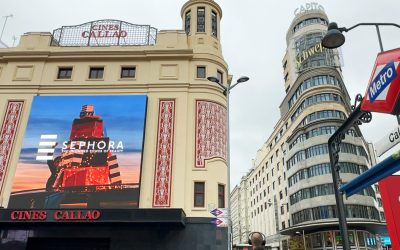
pixel 332 40
pixel 226 92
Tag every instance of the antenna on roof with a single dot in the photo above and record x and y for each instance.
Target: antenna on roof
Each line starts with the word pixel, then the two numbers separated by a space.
pixel 4 25
pixel 14 39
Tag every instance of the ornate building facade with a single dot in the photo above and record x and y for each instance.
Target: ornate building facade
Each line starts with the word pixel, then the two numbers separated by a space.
pixel 289 187
pixel 144 154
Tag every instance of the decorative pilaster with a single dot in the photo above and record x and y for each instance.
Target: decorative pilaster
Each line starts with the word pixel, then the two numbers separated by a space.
pixel 165 143
pixel 7 135
pixel 211 137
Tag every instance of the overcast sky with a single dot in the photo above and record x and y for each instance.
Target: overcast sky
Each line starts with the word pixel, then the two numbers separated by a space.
pixel 253 41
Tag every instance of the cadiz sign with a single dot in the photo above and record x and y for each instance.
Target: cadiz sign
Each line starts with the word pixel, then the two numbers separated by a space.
pixel 308 7
pixel 388 141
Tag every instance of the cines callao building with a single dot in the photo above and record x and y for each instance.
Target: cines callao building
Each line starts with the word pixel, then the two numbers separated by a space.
pixel 111 136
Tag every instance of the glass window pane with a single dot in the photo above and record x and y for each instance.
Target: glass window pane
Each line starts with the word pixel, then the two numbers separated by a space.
pixel 201 72
pixel 328 238
pixel 316 240
pixel 201 19
pixel 361 238
pixel 199 187
pixel 220 77
pixel 64 73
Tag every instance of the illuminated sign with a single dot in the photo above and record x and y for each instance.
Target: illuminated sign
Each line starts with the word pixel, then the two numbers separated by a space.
pixel 308 7
pixel 80 152
pixel 59 215
pixel 310 52
pixel 70 215
pixel 104 33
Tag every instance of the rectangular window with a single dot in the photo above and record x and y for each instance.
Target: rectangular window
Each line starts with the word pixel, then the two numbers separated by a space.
pixel 187 22
pixel 128 72
pixel 64 73
pixel 201 19
pixel 201 72
pixel 199 194
pixel 221 196
pixel 214 23
pixel 220 77
pixel 286 77
pixel 96 72
pixel 284 65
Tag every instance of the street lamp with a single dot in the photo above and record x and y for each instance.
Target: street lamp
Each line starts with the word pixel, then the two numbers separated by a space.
pixel 333 39
pixel 226 92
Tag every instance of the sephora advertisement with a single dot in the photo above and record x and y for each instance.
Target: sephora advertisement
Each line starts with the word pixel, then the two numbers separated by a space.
pixel 81 152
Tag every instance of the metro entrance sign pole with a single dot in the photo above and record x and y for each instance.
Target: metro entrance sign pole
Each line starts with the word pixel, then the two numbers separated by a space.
pixel 334 39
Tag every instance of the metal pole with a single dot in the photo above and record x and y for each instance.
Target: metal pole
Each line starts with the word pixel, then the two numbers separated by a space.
pixel 304 241
pixel 357 117
pixel 379 37
pixel 338 196
pixel 228 164
pixel 4 25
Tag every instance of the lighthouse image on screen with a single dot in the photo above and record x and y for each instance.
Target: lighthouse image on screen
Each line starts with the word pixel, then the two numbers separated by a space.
pixel 81 151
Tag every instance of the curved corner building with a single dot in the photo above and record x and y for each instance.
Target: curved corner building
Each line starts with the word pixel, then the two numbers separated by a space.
pixel 290 184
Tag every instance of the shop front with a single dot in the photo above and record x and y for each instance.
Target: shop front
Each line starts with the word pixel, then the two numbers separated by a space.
pixel 110 229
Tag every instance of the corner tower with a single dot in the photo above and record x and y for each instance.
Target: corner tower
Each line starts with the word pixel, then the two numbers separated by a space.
pixel 201 22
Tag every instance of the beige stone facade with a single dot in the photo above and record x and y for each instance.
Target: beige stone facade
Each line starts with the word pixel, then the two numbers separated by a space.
pixel 166 70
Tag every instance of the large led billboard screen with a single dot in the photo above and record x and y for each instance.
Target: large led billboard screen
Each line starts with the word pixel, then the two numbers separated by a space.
pixel 81 152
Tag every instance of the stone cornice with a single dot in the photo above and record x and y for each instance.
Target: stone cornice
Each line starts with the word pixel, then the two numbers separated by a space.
pixel 73 55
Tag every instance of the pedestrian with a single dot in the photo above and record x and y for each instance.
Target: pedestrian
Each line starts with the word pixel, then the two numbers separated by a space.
pixel 257 240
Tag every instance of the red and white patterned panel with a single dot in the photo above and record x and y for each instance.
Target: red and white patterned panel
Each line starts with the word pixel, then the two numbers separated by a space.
pixel 210 132
pixel 7 134
pixel 165 143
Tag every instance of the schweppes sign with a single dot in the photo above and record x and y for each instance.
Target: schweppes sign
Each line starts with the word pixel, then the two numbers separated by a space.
pixel 307 53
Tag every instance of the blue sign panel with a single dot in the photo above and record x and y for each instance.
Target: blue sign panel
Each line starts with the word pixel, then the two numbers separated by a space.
pixel 382 81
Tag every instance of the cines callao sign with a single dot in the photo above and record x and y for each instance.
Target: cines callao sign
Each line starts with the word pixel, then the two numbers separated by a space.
pixel 57 215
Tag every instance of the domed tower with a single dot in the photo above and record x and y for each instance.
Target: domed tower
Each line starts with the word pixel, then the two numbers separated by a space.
pixel 201 22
